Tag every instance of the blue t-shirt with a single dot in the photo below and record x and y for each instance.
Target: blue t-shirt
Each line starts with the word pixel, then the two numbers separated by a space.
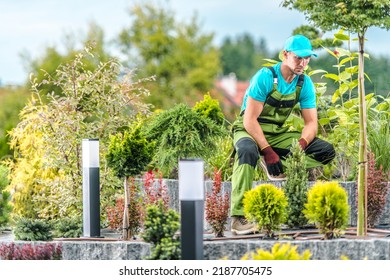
pixel 262 84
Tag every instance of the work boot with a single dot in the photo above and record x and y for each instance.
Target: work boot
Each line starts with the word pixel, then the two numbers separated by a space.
pixel 241 226
pixel 280 177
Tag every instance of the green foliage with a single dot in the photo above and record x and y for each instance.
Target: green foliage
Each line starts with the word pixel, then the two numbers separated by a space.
pixel 68 227
pixel 160 228
pixel 32 230
pixel 210 108
pixel 354 15
pixel 129 152
pixel 182 59
pixel 52 58
pixel 266 205
pixel 11 102
pixel 242 55
pixel 46 174
pixel 378 132
pixel 5 197
pixel 296 186
pixel 180 132
pixel 221 158
pixel 327 207
pixel 278 252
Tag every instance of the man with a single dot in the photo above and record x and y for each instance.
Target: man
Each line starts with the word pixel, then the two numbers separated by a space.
pixel 258 133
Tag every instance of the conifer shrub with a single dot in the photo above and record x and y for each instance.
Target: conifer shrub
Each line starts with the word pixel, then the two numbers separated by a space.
pixel 327 207
pixel 266 205
pixel 32 230
pixel 160 227
pixel 296 186
pixel 68 227
pixel 278 252
pixel 217 206
pixel 181 132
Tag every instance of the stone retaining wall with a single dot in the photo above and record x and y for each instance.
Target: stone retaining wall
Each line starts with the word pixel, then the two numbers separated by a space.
pixel 353 249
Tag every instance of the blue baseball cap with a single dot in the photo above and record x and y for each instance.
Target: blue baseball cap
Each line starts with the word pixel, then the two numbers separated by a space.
pixel 300 45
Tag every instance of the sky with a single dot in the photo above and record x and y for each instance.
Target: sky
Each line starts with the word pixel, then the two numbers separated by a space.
pixel 29 26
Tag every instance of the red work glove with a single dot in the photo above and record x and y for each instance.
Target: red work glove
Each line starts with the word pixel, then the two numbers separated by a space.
pixel 303 143
pixel 272 160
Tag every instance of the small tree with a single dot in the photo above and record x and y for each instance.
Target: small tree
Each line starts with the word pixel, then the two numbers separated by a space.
pixel 266 205
pixel 128 155
pixel 296 186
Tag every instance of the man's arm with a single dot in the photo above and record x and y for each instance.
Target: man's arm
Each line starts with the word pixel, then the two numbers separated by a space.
pixel 252 112
pixel 311 126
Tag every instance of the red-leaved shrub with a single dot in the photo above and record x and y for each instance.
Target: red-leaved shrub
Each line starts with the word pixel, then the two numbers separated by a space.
pixel 377 190
pixel 217 206
pixel 28 251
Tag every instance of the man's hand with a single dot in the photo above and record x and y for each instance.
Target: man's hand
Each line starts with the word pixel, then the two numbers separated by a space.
pixel 272 160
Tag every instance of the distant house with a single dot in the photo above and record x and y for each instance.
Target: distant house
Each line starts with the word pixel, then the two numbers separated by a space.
pixel 230 92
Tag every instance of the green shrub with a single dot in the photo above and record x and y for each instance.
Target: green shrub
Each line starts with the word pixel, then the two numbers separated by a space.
pixel 210 108
pixel 33 230
pixel 296 186
pixel 266 205
pixel 181 132
pixel 278 252
pixel 68 227
pixel 5 197
pixel 327 207
pixel 160 228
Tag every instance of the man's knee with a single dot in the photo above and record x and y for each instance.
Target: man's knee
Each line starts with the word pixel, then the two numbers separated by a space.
pixel 326 152
pixel 247 151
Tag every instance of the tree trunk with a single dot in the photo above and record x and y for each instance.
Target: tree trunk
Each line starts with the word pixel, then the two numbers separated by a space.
pixel 126 223
pixel 362 163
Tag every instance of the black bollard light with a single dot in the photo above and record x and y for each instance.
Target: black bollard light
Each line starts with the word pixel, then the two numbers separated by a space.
pixel 91 188
pixel 191 195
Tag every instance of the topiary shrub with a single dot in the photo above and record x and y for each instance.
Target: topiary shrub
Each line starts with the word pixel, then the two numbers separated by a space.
pixel 327 207
pixel 160 227
pixel 217 206
pixel 278 252
pixel 33 230
pixel 266 205
pixel 296 186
